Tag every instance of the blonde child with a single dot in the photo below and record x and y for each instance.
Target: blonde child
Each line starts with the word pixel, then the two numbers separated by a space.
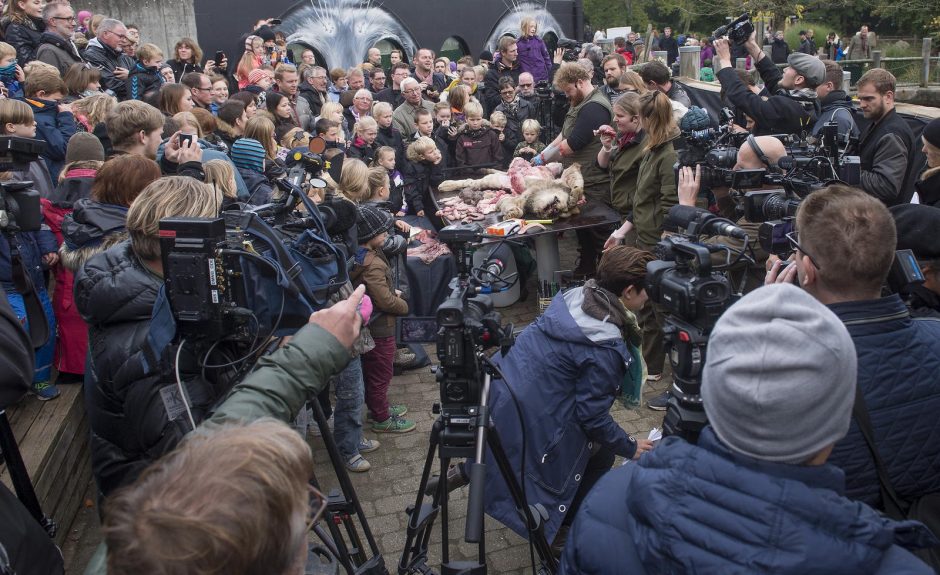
pixel 11 74
pixel 530 144
pixel 386 158
pixel 478 145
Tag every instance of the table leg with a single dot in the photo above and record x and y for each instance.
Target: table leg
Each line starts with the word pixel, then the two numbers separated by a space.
pixel 547 257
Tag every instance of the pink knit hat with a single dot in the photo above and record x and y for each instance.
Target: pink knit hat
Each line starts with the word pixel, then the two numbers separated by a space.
pixel 257 75
pixel 82 15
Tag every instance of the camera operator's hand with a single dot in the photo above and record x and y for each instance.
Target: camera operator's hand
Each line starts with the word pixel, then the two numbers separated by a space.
pixel 559 55
pixel 775 276
pixel 689 184
pixel 342 320
pixel 753 48
pixel 723 52
pixel 642 446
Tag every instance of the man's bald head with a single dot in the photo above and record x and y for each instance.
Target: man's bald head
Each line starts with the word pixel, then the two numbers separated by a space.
pixel 748 159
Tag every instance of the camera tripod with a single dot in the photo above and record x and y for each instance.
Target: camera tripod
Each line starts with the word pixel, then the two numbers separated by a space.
pixel 343 540
pixel 466 435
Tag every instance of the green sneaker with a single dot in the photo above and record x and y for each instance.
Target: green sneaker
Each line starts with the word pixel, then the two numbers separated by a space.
pixel 393 425
pixel 45 391
pixel 393 411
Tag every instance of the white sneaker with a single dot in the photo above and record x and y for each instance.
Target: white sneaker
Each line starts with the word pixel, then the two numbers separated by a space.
pixel 358 464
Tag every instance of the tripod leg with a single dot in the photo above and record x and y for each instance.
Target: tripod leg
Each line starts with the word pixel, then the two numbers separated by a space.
pixel 421 516
pixel 352 504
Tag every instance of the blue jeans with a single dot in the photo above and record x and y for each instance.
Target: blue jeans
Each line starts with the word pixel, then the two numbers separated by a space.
pixel 43 372
pixel 347 414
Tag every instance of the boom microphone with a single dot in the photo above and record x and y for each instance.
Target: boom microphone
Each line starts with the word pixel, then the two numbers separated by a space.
pixel 702 222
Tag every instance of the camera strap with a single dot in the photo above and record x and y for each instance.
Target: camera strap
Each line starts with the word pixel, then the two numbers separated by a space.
pixel 35 314
pixel 752 142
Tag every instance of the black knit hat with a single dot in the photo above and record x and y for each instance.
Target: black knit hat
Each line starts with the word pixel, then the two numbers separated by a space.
pixel 485 55
pixel 932 133
pixel 265 32
pixel 917 226
pixel 371 222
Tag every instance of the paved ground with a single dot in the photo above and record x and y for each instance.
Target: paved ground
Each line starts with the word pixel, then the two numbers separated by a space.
pixel 390 486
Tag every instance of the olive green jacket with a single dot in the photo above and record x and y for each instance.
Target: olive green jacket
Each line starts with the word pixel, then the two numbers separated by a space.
pixel 624 168
pixel 655 192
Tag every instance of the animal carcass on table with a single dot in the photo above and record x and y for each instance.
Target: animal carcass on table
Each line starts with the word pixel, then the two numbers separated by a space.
pixel 535 191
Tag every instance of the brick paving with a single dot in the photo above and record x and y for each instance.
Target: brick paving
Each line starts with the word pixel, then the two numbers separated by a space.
pixel 392 483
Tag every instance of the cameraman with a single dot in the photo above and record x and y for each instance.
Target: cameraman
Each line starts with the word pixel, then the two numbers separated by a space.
pixel 792 108
pixel 126 386
pixel 844 246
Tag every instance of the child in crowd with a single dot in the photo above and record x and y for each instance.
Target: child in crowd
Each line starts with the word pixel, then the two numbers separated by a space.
pixel 11 74
pixel 424 122
pixel 145 78
pixel 329 131
pixel 386 157
pixel 498 122
pixel 530 146
pixel 442 132
pixel 37 249
pixel 83 159
pixel 248 155
pixel 364 146
pixel 334 111
pixel 478 144
pixel 54 121
pixel 441 115
pixel 372 269
pixel 424 172
pixel 389 135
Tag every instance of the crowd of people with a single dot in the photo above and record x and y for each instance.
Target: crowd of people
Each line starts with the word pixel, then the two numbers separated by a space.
pixel 131 138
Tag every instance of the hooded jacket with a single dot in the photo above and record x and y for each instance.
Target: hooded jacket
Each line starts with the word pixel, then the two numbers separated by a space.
pixel 106 59
pixel 476 147
pixel 566 368
pixel 703 508
pixel 837 107
pixel 55 128
pixel 90 229
pixel 142 80
pixel 57 51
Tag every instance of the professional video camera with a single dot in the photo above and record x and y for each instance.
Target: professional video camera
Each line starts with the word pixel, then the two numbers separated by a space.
pixel 572 49
pixel 19 202
pixel 255 270
pixel 738 31
pixel 715 150
pixel 694 293
pixel 464 328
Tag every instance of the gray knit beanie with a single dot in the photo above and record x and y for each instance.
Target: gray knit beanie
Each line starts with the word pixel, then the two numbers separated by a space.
pixel 780 376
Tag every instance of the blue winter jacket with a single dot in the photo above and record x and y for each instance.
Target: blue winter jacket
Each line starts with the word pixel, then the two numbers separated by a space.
pixel 706 509
pixel 55 128
pixel 565 369
pixel 31 246
pixel 899 375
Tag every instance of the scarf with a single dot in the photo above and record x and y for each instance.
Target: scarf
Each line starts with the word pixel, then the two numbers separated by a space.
pixel 625 139
pixel 511 108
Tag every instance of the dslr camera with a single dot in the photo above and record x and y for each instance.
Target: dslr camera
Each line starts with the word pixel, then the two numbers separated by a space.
pixel 572 49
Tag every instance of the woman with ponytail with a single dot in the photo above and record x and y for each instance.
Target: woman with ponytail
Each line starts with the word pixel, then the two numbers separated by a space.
pixel 655 194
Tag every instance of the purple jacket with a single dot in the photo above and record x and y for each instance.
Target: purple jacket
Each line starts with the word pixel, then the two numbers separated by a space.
pixel 534 58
